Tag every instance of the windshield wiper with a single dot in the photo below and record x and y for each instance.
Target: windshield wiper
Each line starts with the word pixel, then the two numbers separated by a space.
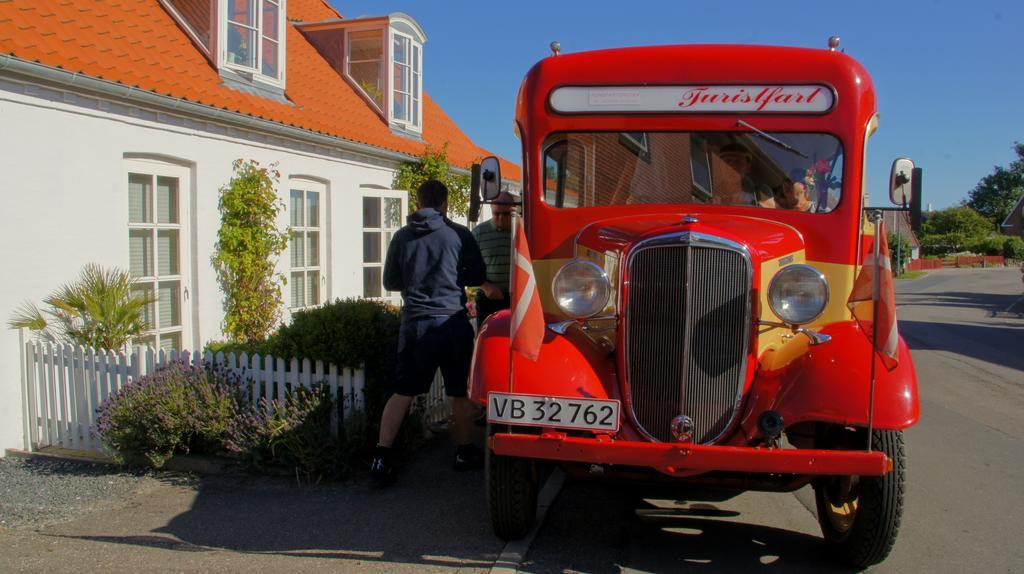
pixel 773 139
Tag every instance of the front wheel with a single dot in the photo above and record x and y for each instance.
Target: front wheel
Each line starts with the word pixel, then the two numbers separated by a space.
pixel 512 485
pixel 860 515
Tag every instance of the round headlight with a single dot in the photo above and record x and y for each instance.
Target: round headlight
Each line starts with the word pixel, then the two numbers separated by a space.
pixel 581 289
pixel 798 294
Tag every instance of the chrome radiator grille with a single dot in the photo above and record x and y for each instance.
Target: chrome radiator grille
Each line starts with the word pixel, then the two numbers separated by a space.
pixel 687 329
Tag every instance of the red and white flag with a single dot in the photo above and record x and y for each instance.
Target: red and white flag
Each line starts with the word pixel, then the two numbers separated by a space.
pixel 869 305
pixel 527 331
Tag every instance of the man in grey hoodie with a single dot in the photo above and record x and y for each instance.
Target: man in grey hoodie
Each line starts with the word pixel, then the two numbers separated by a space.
pixel 431 261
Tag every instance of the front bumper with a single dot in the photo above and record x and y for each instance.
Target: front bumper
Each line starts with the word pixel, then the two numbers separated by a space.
pixel 675 458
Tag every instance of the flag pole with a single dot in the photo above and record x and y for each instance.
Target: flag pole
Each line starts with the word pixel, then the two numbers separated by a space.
pixel 876 217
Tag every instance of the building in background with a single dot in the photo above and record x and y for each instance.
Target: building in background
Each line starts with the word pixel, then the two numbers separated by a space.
pixel 121 121
pixel 1014 222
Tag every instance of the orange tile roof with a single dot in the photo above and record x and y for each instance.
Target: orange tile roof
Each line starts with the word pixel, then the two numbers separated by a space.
pixel 137 43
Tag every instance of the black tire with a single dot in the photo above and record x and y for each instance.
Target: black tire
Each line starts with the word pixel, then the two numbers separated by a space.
pixel 512 485
pixel 860 515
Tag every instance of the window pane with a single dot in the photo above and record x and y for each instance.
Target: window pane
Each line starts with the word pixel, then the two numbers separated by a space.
pixel 140 252
pixel 370 77
pixel 699 167
pixel 401 48
pixel 241 46
pixel 312 209
pixel 401 106
pixel 146 290
pixel 298 289
pixel 366 45
pixel 296 208
pixel 297 247
pixel 371 212
pixel 312 249
pixel 169 341
pixel 371 247
pixel 400 81
pixel 169 303
pixel 242 11
pixel 366 63
pixel 371 282
pixel 140 198
pixel 313 288
pixel 167 200
pixel 392 212
pixel 269 58
pixel 416 59
pixel 167 251
pixel 270 12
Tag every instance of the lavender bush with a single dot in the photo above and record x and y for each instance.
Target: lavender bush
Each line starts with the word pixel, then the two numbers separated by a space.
pixel 179 409
pixel 293 433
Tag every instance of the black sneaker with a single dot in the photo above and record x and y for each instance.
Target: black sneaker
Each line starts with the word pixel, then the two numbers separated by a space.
pixel 468 457
pixel 382 471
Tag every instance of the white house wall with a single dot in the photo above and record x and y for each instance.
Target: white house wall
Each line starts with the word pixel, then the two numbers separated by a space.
pixel 62 171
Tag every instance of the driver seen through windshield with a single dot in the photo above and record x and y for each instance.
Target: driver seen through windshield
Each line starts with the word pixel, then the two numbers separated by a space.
pixel 797 171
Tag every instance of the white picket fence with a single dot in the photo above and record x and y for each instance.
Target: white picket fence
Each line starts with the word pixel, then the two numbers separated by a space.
pixel 64 385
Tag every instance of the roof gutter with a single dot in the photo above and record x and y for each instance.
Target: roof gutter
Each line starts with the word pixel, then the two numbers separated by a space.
pixel 80 81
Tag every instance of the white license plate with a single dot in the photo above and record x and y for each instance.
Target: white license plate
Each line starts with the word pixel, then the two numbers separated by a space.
pixel 562 412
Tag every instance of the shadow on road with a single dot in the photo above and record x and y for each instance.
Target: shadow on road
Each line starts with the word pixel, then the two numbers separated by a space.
pixel 996 344
pixel 993 304
pixel 436 518
pixel 433 516
pixel 600 528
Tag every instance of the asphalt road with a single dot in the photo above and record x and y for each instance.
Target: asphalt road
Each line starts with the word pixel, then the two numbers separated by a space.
pixel 966 462
pixel 966 457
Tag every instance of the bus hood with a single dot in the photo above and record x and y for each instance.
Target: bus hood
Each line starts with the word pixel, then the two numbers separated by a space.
pixel 763 238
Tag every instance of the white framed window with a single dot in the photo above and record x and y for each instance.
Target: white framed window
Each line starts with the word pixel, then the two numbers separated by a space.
pixel 158 252
pixel 700 168
pixel 383 214
pixel 406 81
pixel 253 33
pixel 307 279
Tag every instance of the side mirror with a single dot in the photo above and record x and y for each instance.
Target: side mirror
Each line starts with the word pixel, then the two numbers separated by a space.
pixel 490 178
pixel 901 182
pixel 474 193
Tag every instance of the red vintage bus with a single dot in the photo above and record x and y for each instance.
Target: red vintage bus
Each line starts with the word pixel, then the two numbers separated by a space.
pixel 696 218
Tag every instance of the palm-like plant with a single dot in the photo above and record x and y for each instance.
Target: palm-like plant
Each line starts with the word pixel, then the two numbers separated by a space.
pixel 99 310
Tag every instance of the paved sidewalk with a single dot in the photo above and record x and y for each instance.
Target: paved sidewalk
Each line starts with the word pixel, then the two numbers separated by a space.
pixel 433 520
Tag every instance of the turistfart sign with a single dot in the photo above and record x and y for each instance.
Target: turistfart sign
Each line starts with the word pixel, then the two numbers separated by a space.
pixel 808 99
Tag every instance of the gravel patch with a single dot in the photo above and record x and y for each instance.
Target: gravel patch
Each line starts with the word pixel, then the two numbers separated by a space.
pixel 37 492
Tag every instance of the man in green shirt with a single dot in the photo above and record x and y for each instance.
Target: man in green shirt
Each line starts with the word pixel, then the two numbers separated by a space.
pixel 494 237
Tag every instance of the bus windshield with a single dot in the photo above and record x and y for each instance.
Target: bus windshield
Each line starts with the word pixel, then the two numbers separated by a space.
pixel 794 171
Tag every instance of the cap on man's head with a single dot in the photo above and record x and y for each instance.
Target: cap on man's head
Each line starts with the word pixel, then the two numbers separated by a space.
pixel 505 198
pixel 431 193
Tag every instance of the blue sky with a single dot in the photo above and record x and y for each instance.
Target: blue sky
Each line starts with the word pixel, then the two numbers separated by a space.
pixel 948 74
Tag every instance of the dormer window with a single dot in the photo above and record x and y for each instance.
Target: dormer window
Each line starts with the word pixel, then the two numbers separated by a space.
pixel 253 33
pixel 243 39
pixel 382 58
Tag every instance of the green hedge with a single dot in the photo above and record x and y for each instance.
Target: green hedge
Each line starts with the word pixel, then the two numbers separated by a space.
pixel 348 333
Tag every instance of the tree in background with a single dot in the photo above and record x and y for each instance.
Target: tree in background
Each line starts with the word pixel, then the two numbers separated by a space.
pixel 433 164
pixel 899 252
pixel 959 220
pixel 952 229
pixel 996 193
pixel 248 244
pixel 102 309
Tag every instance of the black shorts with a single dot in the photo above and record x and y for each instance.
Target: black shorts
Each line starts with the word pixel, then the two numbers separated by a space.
pixel 431 343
